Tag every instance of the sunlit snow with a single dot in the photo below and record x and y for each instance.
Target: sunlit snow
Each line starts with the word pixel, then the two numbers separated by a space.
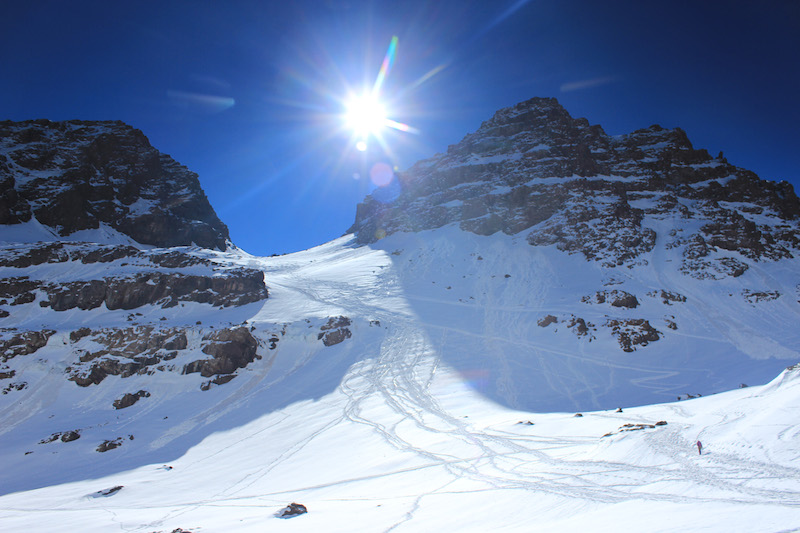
pixel 429 418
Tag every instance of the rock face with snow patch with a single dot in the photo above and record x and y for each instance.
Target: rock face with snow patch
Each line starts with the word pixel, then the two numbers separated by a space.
pixel 77 175
pixel 65 181
pixel 534 170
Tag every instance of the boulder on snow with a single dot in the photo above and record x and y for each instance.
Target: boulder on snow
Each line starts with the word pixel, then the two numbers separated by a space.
pixel 335 331
pixel 64 436
pixel 293 509
pixel 69 436
pixel 546 321
pixel 111 444
pixel 107 492
pixel 129 399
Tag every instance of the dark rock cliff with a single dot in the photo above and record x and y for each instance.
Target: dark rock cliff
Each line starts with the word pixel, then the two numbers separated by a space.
pixel 77 175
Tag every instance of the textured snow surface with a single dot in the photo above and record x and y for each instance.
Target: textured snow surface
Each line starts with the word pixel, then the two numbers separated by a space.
pixel 419 421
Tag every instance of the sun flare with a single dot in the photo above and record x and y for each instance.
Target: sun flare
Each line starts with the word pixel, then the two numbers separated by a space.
pixel 365 116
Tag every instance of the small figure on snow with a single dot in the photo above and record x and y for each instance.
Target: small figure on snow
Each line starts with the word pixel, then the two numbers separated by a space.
pixel 699 448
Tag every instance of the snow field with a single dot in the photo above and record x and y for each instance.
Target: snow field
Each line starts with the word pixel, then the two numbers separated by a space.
pixel 413 424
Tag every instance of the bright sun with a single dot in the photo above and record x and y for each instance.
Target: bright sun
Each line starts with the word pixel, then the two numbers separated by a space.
pixel 365 116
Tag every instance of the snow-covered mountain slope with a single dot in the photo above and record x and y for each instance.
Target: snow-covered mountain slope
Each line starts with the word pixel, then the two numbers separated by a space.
pixel 412 419
pixel 424 372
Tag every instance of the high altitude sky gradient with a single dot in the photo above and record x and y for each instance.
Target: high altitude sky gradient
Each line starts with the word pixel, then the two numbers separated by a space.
pixel 251 94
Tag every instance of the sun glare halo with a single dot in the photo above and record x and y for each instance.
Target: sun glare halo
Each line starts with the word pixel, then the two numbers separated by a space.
pixel 365 115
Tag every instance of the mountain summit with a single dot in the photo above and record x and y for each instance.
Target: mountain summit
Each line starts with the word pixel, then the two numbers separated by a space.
pixel 532 169
pixel 64 178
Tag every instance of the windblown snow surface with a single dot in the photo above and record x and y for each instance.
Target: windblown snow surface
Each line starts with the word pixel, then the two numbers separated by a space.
pixel 420 421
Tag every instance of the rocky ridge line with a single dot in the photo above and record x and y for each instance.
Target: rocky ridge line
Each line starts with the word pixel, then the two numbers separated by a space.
pixel 534 170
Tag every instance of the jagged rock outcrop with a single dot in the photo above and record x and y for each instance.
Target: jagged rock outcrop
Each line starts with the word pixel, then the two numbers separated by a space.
pixel 63 436
pixel 148 349
pixel 111 444
pixel 77 175
pixel 335 330
pixel 616 298
pixel 144 280
pixel 534 170
pixel 231 349
pixel 13 344
pixel 667 297
pixel 632 332
pixel 26 255
pixel 128 399
pixel 66 177
pixel 122 352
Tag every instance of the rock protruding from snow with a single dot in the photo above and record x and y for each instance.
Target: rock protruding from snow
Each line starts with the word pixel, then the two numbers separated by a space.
pixel 165 278
pixel 293 509
pixel 334 331
pixel 23 343
pixel 129 399
pixel 231 349
pixel 78 175
pixel 107 492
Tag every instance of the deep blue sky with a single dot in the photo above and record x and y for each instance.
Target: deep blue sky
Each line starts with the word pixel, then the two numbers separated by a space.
pixel 269 145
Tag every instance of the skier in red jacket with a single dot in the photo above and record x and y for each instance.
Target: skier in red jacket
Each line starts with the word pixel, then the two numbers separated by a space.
pixel 699 448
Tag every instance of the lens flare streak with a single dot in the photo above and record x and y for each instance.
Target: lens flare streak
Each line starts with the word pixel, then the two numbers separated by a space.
pixel 386 66
pixel 399 126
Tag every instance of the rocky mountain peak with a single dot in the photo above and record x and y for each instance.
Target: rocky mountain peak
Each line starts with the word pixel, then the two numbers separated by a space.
pixel 530 114
pixel 534 170
pixel 527 126
pixel 78 175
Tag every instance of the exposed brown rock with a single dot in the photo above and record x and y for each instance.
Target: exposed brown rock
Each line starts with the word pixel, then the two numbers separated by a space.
pixel 107 445
pixel 228 288
pixel 219 380
pixel 335 331
pixel 64 436
pixel 754 297
pixel 546 321
pixel 632 332
pixel 231 349
pixel 79 333
pixel 580 327
pixel 23 343
pixel 616 298
pixel 129 399
pixel 667 297
pixel 636 427
pixel 126 351
pixel 16 386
